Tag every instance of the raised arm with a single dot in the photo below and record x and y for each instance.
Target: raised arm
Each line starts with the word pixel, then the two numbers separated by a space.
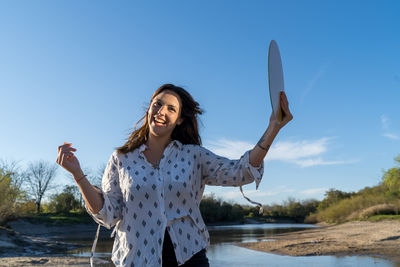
pixel 91 194
pixel 258 153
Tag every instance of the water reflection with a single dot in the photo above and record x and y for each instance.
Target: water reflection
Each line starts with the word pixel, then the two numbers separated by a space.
pixel 223 252
pixel 250 232
pixel 233 256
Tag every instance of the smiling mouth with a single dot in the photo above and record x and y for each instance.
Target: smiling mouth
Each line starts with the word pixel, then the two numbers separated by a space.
pixel 159 122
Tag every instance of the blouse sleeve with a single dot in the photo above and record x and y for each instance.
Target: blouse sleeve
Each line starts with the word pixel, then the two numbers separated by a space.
pixel 111 190
pixel 218 170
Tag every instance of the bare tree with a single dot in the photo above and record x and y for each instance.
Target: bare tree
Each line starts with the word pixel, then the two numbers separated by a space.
pixel 40 175
pixel 13 169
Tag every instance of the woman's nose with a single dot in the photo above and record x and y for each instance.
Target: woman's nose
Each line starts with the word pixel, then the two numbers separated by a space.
pixel 161 110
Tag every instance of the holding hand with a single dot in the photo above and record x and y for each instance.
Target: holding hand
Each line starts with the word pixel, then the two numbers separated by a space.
pixel 286 115
pixel 260 150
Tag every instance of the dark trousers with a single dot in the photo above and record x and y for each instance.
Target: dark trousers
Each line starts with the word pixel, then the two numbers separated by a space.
pixel 169 259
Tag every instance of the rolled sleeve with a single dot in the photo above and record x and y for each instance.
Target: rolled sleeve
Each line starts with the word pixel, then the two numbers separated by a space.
pixel 255 172
pixel 218 170
pixel 112 196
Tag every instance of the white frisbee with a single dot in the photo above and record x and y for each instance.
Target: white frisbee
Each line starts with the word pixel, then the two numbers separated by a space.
pixel 275 79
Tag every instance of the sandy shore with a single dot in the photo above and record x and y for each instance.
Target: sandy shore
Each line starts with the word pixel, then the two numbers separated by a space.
pixel 348 239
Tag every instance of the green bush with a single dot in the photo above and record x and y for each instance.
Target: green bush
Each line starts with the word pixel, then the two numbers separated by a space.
pixel 215 210
pixel 65 201
pixel 382 199
pixel 377 218
pixel 11 197
pixel 349 208
pixel 291 210
pixel 333 196
pixel 391 180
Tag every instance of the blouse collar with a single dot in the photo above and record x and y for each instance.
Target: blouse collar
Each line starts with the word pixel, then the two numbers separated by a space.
pixel 175 143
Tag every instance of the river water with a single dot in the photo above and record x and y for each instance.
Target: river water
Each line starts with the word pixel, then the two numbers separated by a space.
pixel 223 252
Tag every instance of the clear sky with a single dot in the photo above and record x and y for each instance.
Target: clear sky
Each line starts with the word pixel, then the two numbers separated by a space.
pixel 84 71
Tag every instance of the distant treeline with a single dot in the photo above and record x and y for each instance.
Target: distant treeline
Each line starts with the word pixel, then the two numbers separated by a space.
pixel 382 200
pixel 22 191
pixel 372 203
pixel 218 211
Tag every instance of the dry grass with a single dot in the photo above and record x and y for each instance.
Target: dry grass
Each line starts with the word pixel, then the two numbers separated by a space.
pixel 380 209
pixel 356 208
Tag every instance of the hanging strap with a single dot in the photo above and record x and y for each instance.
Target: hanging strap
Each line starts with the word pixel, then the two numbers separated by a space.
pixel 115 229
pixel 261 210
pixel 94 246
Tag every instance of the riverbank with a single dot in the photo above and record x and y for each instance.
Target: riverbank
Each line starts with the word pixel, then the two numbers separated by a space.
pixel 23 243
pixel 349 239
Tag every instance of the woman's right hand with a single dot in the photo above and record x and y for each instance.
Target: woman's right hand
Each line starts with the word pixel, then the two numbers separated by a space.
pixel 67 159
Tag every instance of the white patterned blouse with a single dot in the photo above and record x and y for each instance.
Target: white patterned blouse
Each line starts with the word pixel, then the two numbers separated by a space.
pixel 143 201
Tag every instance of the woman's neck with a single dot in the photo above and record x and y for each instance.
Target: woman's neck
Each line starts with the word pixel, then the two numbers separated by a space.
pixel 155 149
pixel 157 144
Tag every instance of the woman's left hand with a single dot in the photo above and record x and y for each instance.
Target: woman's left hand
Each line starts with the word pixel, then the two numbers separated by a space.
pixel 286 115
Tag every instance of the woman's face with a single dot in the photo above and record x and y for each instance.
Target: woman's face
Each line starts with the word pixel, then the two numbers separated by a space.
pixel 164 113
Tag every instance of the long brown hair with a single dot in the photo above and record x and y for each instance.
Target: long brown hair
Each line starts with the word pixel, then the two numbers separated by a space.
pixel 186 133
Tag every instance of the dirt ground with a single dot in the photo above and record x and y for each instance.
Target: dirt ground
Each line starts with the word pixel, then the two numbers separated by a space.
pixel 50 261
pixel 25 244
pixel 348 239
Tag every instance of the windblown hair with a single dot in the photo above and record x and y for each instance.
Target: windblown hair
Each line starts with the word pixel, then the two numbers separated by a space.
pixel 186 133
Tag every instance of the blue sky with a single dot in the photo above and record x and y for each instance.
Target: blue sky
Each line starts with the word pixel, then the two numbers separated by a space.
pixel 83 72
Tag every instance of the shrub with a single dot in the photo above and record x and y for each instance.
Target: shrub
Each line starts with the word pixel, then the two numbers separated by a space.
pixel 215 210
pixel 65 201
pixel 10 198
pixel 343 210
pixel 333 196
pixel 312 218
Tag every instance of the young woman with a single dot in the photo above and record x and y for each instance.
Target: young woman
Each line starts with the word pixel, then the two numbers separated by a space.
pixel 153 184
